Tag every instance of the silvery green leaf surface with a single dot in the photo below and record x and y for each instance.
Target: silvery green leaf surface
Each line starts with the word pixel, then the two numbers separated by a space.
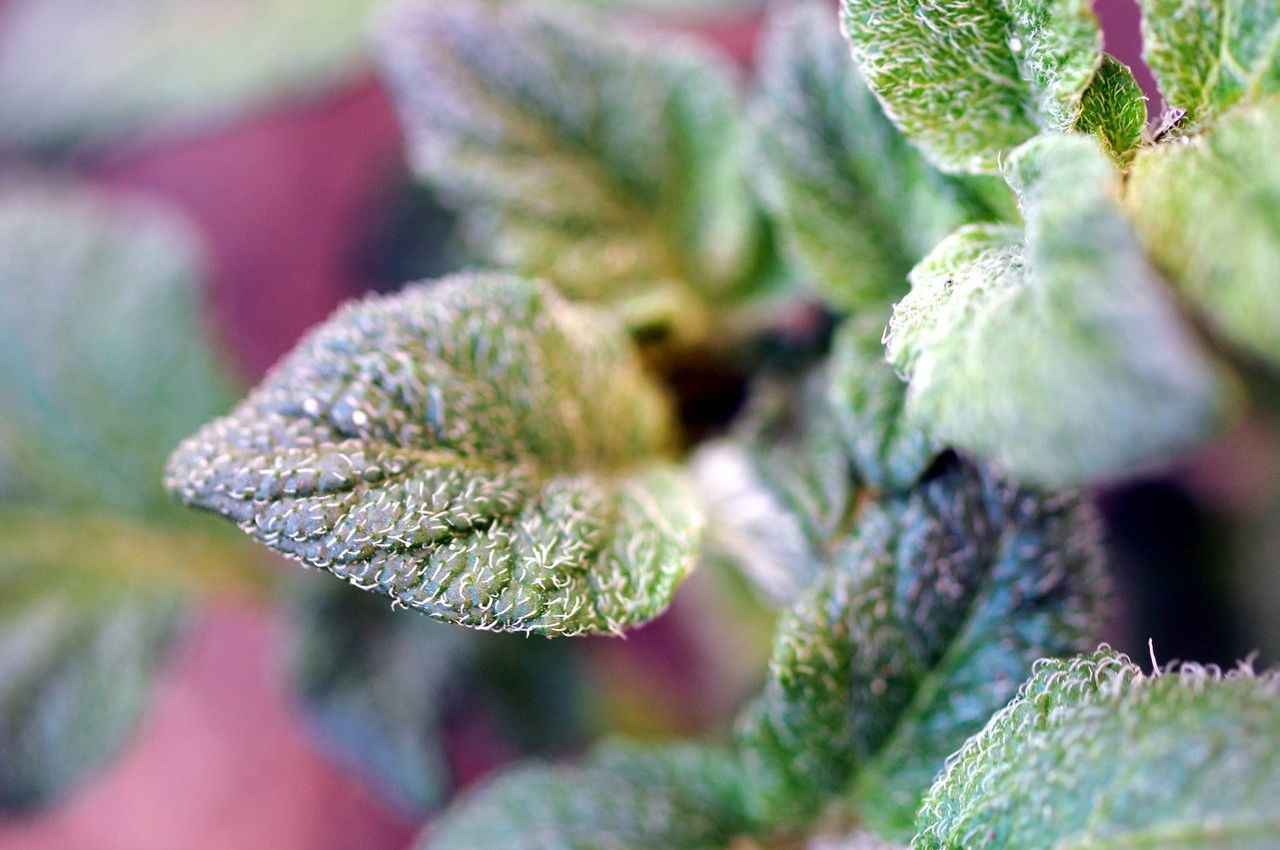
pixel 607 161
pixel 1210 54
pixel 924 625
pixel 77 71
pixel 1094 755
pixel 1114 109
pixel 372 684
pixel 867 402
pixel 680 797
pixel 103 365
pixel 781 490
pixel 858 205
pixel 477 449
pixel 1208 209
pixel 102 362
pixel 969 80
pixel 1056 352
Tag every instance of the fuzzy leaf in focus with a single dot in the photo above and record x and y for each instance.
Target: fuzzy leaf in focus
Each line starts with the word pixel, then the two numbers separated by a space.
pixel 372 684
pixel 75 71
pixel 1056 352
pixel 624 796
pixel 925 623
pixel 477 449
pixel 611 165
pixel 1210 54
pixel 1114 109
pixel 1093 754
pixel 1208 209
pixel 969 80
pixel 857 203
pixel 102 365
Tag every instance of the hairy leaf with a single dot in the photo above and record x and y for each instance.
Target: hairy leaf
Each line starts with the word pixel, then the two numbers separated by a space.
pixel 1056 352
pixel 926 623
pixel 1210 54
pixel 102 70
pixel 1208 210
pixel 611 165
pixel 373 685
pixel 858 204
pixel 477 449
pixel 624 796
pixel 1114 109
pixel 1093 754
pixel 867 403
pixel 102 364
pixel 968 80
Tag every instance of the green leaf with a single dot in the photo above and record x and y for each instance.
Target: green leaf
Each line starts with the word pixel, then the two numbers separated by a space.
pixel 858 205
pixel 1114 109
pixel 1057 352
pixel 1093 754
pixel 97 71
pixel 102 363
pixel 867 400
pixel 781 491
pixel 1210 54
pixel 611 165
pixel 477 449
pixel 1208 210
pixel 624 796
pixel 924 625
pixel 969 80
pixel 74 679
pixel 372 684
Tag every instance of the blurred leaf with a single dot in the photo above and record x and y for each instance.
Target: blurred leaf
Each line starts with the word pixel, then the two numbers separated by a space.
pixel 479 449
pixel 1058 352
pixel 970 80
pixel 780 491
pixel 611 165
pixel 1093 754
pixel 104 70
pixel 858 204
pixel 1114 109
pixel 102 363
pixel 373 684
pixel 867 401
pixel 926 622
pixel 623 796
pixel 1210 54
pixel 1209 213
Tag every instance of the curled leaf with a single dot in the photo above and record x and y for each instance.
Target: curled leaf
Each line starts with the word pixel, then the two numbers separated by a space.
pixel 923 626
pixel 1056 352
pixel 1114 109
pixel 477 449
pixel 1093 754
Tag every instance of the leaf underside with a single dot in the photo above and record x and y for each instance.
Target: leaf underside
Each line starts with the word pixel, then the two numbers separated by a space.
pixel 476 449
